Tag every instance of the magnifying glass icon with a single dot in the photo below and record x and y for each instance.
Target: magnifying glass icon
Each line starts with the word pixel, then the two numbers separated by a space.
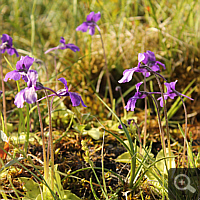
pixel 184 181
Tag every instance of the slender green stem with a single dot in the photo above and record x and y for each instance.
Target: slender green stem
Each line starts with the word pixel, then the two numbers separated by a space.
pixel 46 168
pixel 27 128
pixel 166 119
pixel 123 102
pixel 51 142
pixel 4 98
pixel 56 72
pixel 145 118
pixel 160 127
pixel 48 152
pixel 106 68
pixel 185 138
pixel 21 117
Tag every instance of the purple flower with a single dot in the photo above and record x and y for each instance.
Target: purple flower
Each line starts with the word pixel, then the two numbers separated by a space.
pixel 90 23
pixel 75 98
pixel 1 93
pixel 63 45
pixel 22 68
pixel 28 94
pixel 132 101
pixel 171 93
pixel 7 45
pixel 128 123
pixel 128 74
pixel 149 60
pixel 120 126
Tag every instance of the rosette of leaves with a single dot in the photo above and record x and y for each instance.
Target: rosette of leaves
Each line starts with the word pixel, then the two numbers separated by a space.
pixel 36 192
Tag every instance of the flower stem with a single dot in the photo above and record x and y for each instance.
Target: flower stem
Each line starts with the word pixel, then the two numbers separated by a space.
pixel 160 127
pixel 46 168
pixel 51 142
pixel 166 119
pixel 4 98
pixel 145 118
pixel 123 102
pixel 184 147
pixel 28 128
pixel 56 72
pixel 106 68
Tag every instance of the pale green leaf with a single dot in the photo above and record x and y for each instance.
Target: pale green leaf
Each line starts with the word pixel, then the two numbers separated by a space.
pixel 161 164
pixel 124 158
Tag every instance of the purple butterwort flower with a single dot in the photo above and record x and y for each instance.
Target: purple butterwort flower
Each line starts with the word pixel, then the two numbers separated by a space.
pixel 28 94
pixel 7 45
pixel 149 60
pixel 63 45
pixel 128 74
pixel 171 93
pixel 120 126
pixel 128 122
pixel 90 23
pixel 75 98
pixel 22 68
pixel 1 93
pixel 132 101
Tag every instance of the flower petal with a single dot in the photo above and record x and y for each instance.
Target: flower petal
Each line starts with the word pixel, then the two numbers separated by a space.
pixel 19 99
pixel 138 86
pixel 76 99
pixel 131 104
pixel 143 57
pixel 161 99
pixel 11 51
pixel 25 61
pixel 151 56
pixel 127 75
pixel 32 76
pixel 63 80
pixel 163 65
pixel 28 61
pixel 6 38
pixel 155 68
pixel 30 95
pixel 121 127
pixel 91 30
pixel 72 47
pixel 83 27
pixel 2 50
pixel 12 75
pixel 62 40
pixel 89 17
pixel 51 49
pixel 97 17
